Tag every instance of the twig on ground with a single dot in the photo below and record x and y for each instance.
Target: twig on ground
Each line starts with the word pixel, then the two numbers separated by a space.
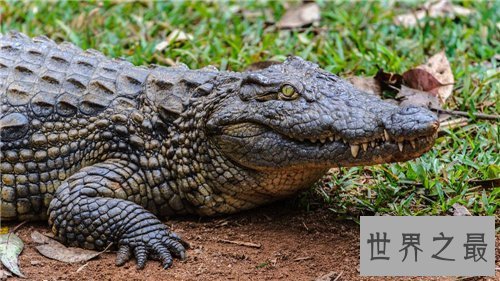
pixel 489 183
pixel 478 115
pixel 303 259
pixel 305 226
pixel 410 182
pixel 222 222
pixel 18 226
pixel 241 243
pixel 451 124
pixel 81 267
pixel 107 248
pixel 329 276
pixel 338 276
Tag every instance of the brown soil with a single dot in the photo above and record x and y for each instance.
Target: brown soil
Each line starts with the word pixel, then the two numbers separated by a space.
pixel 295 245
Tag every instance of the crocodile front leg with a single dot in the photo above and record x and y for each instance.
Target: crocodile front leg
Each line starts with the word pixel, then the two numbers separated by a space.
pixel 90 209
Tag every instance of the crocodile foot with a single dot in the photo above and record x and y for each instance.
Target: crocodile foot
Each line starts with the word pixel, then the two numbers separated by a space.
pixel 153 241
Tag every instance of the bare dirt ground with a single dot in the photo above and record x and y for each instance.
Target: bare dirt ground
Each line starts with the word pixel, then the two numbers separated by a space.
pixel 295 245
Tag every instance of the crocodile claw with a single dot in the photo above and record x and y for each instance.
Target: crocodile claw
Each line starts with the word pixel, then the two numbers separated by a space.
pixel 158 245
pixel 123 255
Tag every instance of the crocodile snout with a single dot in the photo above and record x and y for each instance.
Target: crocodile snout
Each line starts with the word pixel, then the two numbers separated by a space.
pixel 411 122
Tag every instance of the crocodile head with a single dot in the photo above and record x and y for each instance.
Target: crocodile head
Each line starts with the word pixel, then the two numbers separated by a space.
pixel 297 116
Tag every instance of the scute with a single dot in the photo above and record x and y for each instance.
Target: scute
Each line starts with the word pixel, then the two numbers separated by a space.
pixel 13 126
pixel 76 83
pixel 67 104
pixel 18 93
pixel 102 87
pixel 92 104
pixel 42 104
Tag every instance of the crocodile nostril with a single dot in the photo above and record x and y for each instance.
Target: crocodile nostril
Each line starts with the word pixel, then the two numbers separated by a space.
pixel 410 110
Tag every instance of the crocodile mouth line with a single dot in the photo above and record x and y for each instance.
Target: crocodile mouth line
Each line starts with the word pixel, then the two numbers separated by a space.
pixel 365 145
pixel 253 129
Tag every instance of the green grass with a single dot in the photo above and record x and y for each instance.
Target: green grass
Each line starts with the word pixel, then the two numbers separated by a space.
pixel 352 39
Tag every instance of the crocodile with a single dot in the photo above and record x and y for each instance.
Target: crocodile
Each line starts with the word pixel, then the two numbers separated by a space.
pixel 104 149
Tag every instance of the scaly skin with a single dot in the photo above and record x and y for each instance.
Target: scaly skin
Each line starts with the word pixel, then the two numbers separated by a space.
pixel 102 148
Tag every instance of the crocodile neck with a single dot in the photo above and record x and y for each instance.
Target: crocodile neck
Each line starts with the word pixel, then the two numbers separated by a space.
pixel 192 164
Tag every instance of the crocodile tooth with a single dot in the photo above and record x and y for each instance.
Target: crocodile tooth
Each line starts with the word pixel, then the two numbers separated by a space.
pixel 344 140
pixel 365 146
pixel 354 150
pixel 322 140
pixel 413 144
pixel 386 135
pixel 337 138
pixel 400 145
pixel 330 138
pixel 313 140
pixel 372 143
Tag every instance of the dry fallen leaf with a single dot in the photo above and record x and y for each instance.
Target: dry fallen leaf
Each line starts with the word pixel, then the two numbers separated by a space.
pixel 442 8
pixel 366 84
pixel 300 16
pixel 435 77
pixel 420 79
pixel 52 249
pixel 10 248
pixel 460 210
pixel 415 97
pixel 439 66
pixel 175 36
pixel 389 81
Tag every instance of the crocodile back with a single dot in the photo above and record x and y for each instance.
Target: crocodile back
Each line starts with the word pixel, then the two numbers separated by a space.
pixel 42 78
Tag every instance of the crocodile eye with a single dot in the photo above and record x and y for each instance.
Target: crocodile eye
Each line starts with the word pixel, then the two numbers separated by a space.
pixel 288 92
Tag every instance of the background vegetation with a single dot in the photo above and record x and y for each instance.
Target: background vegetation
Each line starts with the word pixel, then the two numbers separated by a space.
pixel 351 39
